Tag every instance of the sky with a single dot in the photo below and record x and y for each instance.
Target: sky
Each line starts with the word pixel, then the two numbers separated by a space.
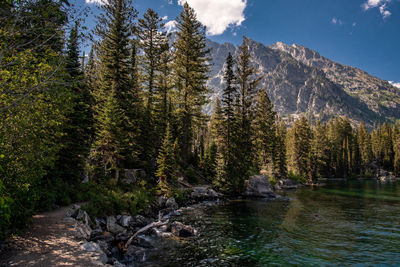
pixel 360 33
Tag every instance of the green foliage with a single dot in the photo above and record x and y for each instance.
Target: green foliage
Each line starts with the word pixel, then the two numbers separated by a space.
pixel 191 176
pixel 111 200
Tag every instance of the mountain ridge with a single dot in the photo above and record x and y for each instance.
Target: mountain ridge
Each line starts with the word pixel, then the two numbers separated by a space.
pixel 300 82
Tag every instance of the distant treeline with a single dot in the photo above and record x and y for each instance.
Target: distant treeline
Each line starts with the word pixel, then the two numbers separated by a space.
pixel 137 104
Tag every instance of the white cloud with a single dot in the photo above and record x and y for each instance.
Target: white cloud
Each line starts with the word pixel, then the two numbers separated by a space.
pixel 218 15
pixel 336 21
pixel 354 24
pixel 100 2
pixel 164 18
pixel 395 84
pixel 170 26
pixel 382 4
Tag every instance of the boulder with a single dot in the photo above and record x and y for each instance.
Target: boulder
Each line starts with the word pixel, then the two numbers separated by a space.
pixel 91 247
pixel 113 227
pixel 125 220
pixel 100 223
pixel 204 193
pixel 140 221
pixel 133 175
pixel 83 217
pixel 82 231
pixel 181 230
pixel 161 201
pixel 287 184
pixel 384 176
pixel 258 187
pixel 144 241
pixel 171 203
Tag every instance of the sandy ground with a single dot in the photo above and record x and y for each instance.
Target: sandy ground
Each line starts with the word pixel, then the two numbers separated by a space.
pixel 49 241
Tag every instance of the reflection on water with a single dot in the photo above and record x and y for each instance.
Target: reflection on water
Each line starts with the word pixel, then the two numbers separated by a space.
pixel 340 224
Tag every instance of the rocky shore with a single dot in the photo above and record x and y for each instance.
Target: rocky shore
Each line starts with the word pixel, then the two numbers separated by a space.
pixel 125 240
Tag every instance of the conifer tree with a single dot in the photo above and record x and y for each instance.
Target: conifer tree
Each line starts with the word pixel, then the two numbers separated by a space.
pixel 301 149
pixel 364 143
pixel 71 158
pixel 247 81
pixel 114 112
pixel 320 150
pixel 280 149
pixel 264 134
pixel 191 71
pixel 166 160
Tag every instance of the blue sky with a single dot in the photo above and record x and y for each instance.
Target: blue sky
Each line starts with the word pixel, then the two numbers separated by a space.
pixel 359 33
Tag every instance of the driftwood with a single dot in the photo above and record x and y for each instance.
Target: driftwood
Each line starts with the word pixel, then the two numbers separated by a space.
pixel 144 229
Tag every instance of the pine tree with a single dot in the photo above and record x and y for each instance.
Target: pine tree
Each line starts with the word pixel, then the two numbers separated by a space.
pixel 280 149
pixel 229 94
pixel 364 143
pixel 114 110
pixel 247 84
pixel 191 71
pixel 166 160
pixel 396 148
pixel 301 149
pixel 264 134
pixel 320 150
pixel 71 161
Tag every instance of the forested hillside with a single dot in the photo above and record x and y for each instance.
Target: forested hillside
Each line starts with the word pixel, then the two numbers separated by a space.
pixel 73 130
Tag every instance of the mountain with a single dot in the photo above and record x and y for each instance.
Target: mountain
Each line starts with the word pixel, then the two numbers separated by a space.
pixel 300 81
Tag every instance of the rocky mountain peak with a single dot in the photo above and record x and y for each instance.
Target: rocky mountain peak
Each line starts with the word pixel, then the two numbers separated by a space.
pixel 300 82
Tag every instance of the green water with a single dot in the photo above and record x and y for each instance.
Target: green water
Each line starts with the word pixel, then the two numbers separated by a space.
pixel 353 223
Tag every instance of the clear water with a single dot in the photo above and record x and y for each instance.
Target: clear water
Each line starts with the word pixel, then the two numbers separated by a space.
pixel 349 223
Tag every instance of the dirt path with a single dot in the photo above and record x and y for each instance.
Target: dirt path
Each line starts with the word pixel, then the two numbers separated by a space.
pixel 48 242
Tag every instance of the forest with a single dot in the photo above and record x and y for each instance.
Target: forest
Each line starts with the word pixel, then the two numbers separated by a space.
pixel 137 102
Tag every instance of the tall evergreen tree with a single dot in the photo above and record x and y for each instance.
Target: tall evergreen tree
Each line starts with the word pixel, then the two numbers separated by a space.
pixel 113 147
pixel 191 70
pixel 264 124
pixel 301 148
pixel 166 161
pixel 364 143
pixel 71 158
pixel 280 159
pixel 247 81
pixel 320 150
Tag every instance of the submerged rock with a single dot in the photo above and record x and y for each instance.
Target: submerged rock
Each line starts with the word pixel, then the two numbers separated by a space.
pixel 181 230
pixel 134 253
pixel 286 184
pixel 258 187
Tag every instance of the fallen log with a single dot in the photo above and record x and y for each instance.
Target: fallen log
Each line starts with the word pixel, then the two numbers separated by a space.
pixel 144 229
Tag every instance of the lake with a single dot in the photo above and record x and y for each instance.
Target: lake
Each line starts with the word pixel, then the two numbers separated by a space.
pixel 342 223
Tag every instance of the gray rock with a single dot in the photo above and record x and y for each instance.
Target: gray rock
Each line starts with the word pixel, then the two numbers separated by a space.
pixel 90 247
pixel 181 230
pixel 113 227
pixel 83 217
pixel 105 247
pixel 287 184
pixel 161 201
pixel 100 223
pixel 82 231
pixel 157 232
pixel 204 193
pixel 144 241
pixel 133 175
pixel 139 221
pixel 258 187
pixel 123 237
pixel 171 203
pixel 125 220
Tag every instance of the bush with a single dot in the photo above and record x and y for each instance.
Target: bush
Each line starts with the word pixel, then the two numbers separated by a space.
pixel 191 176
pixel 105 201
pixel 297 177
